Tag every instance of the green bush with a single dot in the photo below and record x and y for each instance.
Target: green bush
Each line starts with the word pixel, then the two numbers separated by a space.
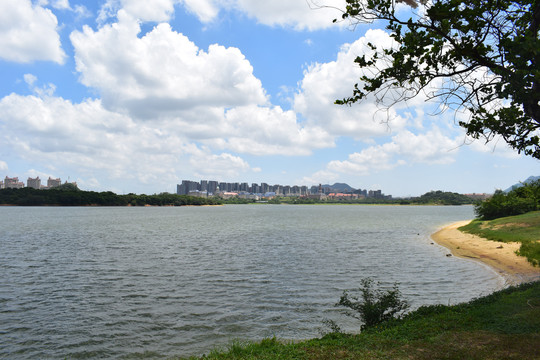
pixel 375 305
pixel 518 201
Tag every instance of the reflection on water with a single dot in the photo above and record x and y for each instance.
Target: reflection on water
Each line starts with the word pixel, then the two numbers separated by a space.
pixel 111 282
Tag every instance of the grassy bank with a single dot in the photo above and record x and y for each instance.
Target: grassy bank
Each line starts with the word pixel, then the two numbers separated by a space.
pixel 524 229
pixel 503 325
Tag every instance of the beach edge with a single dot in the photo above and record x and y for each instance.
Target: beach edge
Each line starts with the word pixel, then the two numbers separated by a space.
pixel 501 257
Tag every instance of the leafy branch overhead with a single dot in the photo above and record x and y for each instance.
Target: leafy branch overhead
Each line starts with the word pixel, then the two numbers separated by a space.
pixel 481 55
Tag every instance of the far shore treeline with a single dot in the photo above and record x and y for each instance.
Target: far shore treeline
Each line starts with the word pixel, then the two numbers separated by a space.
pixel 70 195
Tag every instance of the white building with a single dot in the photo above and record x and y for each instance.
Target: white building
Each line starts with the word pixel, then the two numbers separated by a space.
pixel 34 183
pixel 53 182
pixel 13 183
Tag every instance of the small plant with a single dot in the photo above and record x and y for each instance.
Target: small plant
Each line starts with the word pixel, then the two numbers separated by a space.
pixel 333 327
pixel 375 305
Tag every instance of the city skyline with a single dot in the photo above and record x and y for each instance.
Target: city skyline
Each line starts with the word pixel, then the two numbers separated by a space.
pixel 213 187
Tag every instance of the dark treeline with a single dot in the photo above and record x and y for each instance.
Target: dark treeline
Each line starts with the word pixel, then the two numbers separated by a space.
pixel 71 196
pixel 430 198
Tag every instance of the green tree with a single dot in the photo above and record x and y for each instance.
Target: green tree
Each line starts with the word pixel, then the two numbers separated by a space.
pixel 478 55
pixel 518 201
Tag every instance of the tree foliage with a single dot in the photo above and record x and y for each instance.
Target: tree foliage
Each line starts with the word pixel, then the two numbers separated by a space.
pixel 479 55
pixel 518 201
pixel 443 198
pixel 375 305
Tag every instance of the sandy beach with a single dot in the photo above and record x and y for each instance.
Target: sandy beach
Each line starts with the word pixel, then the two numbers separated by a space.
pixel 500 256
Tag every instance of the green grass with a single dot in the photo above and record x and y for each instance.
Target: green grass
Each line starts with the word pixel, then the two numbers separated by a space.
pixel 503 325
pixel 521 228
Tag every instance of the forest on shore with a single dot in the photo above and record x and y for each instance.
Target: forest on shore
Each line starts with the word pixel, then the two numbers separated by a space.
pixel 70 195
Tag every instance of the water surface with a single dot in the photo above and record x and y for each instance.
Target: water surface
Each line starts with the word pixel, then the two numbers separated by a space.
pixel 120 282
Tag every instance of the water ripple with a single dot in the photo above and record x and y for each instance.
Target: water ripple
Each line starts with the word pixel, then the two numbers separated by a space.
pixel 159 282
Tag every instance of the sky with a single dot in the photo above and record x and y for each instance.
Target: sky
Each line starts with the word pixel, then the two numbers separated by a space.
pixel 136 96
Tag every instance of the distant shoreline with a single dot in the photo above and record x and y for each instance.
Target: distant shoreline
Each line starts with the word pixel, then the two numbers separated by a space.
pixel 500 256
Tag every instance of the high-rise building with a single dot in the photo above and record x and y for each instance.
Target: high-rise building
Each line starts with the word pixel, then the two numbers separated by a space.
pixel 212 186
pixel 255 188
pixel 186 187
pixel 13 183
pixel 244 187
pixel 204 185
pixel 53 182
pixel 34 183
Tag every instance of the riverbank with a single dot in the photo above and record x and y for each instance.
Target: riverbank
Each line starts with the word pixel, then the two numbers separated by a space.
pixel 500 256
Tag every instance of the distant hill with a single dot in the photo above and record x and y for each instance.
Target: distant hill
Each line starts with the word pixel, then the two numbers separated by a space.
pixel 339 187
pixel 530 179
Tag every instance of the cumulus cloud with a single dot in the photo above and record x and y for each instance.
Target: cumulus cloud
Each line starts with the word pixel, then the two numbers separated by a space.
pixel 264 131
pixel 324 83
pixel 58 133
pixel 431 147
pixel 374 158
pixel 142 10
pixel 301 15
pixel 208 165
pixel 163 72
pixel 209 96
pixel 158 10
pixel 104 144
pixel 29 33
pixel 3 166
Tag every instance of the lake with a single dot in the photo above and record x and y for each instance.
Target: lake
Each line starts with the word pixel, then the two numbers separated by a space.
pixel 95 282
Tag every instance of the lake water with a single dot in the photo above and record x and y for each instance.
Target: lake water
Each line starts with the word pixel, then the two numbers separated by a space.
pixel 109 282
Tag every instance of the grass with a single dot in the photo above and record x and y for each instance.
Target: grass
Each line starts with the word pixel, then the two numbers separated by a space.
pixel 524 229
pixel 503 325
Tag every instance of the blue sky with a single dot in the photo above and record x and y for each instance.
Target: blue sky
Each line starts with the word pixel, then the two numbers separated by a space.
pixel 137 95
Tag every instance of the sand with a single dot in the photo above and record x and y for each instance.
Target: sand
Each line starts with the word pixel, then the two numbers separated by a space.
pixel 500 256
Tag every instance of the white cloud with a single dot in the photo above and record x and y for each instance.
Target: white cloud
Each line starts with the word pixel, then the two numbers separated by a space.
pixel 155 10
pixel 44 90
pixel 431 147
pixel 142 10
pixel 98 143
pixel 205 10
pixel 324 83
pixel 321 177
pixel 30 79
pixel 265 131
pixel 375 158
pixel 162 73
pixel 209 96
pixel 224 166
pixel 61 4
pixel 158 10
pixel 3 166
pixel 28 33
pixel 496 146
pixel 301 15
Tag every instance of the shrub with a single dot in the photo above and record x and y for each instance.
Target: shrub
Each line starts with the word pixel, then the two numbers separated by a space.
pixel 374 305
